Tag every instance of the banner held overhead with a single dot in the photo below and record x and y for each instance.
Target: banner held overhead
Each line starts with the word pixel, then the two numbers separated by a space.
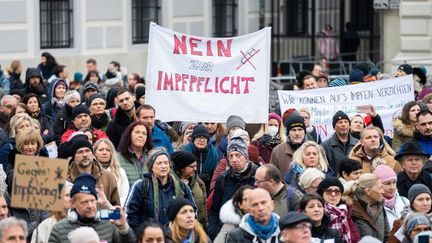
pixel 203 79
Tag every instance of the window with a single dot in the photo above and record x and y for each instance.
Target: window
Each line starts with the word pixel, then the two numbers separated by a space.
pixel 224 18
pixel 56 29
pixel 143 12
pixel 296 17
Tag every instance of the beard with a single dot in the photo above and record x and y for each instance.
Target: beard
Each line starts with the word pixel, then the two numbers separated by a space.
pixel 85 163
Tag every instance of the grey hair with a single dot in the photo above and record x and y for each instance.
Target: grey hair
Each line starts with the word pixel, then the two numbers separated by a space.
pixel 12 221
pixel 6 97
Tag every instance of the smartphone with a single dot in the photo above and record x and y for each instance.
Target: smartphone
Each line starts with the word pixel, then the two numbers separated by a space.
pixel 364 108
pixel 108 214
pixel 423 239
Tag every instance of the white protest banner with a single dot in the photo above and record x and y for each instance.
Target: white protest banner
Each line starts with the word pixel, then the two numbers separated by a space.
pixel 201 79
pixel 387 96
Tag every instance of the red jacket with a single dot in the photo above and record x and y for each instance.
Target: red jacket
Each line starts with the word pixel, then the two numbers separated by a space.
pixel 97 134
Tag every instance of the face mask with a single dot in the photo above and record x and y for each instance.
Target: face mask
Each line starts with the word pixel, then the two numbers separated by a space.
pixel 272 130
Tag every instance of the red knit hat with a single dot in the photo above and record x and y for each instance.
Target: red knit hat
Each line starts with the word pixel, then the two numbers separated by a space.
pixel 275 117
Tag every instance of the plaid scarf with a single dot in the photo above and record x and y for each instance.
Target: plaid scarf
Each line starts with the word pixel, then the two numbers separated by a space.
pixel 339 220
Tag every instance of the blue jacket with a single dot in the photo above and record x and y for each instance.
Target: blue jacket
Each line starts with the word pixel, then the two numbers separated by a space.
pixel 160 139
pixel 4 82
pixel 425 142
pixel 140 203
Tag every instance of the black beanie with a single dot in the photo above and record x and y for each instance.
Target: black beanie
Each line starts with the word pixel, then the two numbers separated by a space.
pixel 79 109
pixel 200 130
pixel 93 97
pixel 294 120
pixel 181 159
pixel 79 142
pixel 175 206
pixel 84 183
pixel 340 115
pixel 140 91
pixel 328 182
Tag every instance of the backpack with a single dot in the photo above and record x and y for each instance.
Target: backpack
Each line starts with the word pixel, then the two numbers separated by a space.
pixel 290 198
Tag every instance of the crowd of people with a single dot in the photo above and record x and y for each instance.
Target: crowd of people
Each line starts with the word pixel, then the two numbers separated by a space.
pixel 204 182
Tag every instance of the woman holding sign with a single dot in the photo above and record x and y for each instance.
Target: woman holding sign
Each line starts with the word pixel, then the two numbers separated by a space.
pixel 404 126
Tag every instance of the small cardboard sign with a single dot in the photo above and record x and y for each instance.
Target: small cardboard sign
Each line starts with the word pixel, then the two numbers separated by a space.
pixel 38 182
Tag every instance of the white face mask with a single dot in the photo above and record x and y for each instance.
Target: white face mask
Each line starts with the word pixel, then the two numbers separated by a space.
pixel 272 130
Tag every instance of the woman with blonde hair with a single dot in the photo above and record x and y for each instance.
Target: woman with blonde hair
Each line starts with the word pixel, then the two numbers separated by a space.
pixel 106 155
pixel 218 135
pixel 269 136
pixel 183 226
pixel 309 155
pixel 15 70
pixel 366 197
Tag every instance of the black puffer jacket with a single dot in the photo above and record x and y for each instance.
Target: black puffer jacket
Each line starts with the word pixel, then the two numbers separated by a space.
pixel 15 81
pixel 61 123
pixel 116 126
pixel 324 232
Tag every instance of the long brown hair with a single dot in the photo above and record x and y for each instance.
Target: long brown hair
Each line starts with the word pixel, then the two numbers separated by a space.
pixel 177 233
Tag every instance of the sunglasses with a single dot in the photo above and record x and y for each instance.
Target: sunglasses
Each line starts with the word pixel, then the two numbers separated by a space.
pixel 337 192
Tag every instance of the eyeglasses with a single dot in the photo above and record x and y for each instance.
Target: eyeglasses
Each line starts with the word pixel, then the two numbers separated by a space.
pixel 421 229
pixel 337 192
pixel 258 181
pixel 302 226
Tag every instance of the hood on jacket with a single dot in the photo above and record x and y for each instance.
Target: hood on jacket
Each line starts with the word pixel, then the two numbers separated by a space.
pixel 401 128
pixel 52 88
pixel 246 227
pixel 110 97
pixel 33 72
pixel 228 214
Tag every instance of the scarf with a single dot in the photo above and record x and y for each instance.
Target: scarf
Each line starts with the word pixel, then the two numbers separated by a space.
pixel 242 174
pixel 390 202
pixel 262 231
pixel 189 238
pixel 156 188
pixel 100 121
pixel 270 141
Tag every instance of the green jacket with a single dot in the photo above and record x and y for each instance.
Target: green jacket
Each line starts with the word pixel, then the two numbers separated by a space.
pixel 197 187
pixel 106 231
pixel 134 170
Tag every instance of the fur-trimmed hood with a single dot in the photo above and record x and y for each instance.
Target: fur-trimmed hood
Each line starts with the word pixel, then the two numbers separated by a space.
pixel 402 129
pixel 228 215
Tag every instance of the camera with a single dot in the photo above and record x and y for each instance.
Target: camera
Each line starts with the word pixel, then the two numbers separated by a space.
pixel 108 214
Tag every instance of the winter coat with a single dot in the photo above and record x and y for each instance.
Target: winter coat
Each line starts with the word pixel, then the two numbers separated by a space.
pixel 425 142
pixel 395 213
pixel 230 219
pixel 244 233
pixel 357 153
pixel 282 156
pixel 366 225
pixel 15 81
pixel 61 123
pixel 207 161
pixel 313 134
pixel 97 134
pixel 160 139
pixel 106 231
pixel 198 189
pixel 4 83
pixel 222 145
pixel 404 183
pixel 221 167
pixel 336 152
pixel 122 185
pixel 133 167
pixel 264 150
pixel 116 126
pixel 45 122
pixel 280 200
pixel 47 72
pixel 102 177
pixel 44 229
pixel 225 187
pixel 324 232
pixel 4 119
pixel 401 133
pixel 43 92
pixel 140 204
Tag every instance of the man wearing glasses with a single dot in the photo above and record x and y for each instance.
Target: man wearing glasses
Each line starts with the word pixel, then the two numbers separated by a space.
pixel 295 228
pixel 285 197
